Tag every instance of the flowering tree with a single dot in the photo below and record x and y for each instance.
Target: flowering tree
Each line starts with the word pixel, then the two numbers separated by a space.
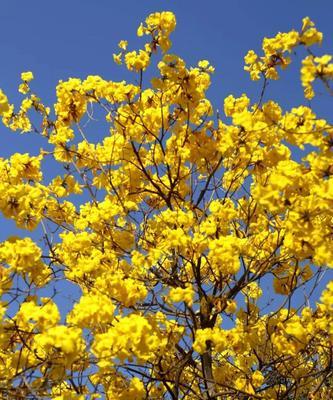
pixel 196 241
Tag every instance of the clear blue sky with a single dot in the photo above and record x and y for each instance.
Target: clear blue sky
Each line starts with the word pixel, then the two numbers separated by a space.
pixel 58 39
pixel 66 38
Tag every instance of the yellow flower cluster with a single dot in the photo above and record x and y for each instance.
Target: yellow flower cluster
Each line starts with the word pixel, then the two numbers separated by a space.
pixel 5 108
pixel 173 231
pixel 137 61
pixel 286 333
pixel 134 336
pixel 159 25
pixel 23 257
pixel 182 294
pixel 224 254
pixel 315 67
pixel 26 78
pixel 64 343
pixel 44 316
pixel 94 310
pixel 275 50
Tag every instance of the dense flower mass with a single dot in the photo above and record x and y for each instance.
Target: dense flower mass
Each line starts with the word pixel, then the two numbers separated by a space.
pixel 196 245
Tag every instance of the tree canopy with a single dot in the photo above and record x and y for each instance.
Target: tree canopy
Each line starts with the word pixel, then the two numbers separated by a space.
pixel 194 242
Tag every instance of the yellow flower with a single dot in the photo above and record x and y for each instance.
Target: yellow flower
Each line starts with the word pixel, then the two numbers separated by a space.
pixel 117 58
pixel 179 294
pixel 137 61
pixel 231 306
pixel 123 44
pixel 252 290
pixel 27 76
pixel 4 105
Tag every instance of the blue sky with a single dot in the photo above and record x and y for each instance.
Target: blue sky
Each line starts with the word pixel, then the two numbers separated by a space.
pixel 75 38
pixel 58 39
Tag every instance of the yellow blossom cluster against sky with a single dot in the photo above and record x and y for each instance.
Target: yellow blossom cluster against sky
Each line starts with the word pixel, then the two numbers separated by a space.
pixel 171 226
